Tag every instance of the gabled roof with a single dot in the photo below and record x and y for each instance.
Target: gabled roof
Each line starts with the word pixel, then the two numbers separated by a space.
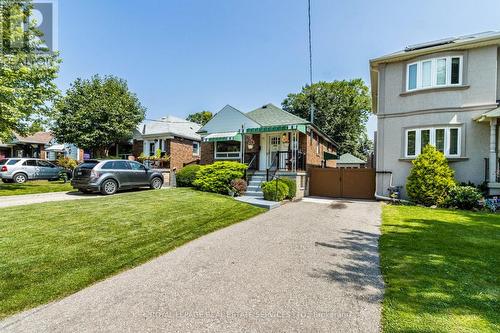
pixel 349 159
pixel 170 125
pixel 37 138
pixel 271 115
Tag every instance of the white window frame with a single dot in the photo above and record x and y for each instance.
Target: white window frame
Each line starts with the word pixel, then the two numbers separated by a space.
pixel 197 152
pixel 434 73
pixel 432 140
pixel 226 155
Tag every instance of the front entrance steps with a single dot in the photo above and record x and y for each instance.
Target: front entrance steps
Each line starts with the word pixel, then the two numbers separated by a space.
pixel 254 195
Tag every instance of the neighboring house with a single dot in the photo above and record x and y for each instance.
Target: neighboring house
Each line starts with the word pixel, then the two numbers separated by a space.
pixel 267 138
pixel 443 93
pixel 39 145
pixel 350 161
pixel 174 137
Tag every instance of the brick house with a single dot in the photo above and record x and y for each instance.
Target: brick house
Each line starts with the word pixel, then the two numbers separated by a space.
pixel 38 145
pixel 174 137
pixel 268 139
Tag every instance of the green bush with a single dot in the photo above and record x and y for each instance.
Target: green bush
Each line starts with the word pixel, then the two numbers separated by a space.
pixel 273 192
pixel 217 177
pixel 67 163
pixel 186 176
pixel 292 187
pixel 463 197
pixel 430 179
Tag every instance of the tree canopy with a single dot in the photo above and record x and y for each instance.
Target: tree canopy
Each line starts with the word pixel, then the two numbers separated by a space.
pixel 341 110
pixel 27 70
pixel 96 113
pixel 200 117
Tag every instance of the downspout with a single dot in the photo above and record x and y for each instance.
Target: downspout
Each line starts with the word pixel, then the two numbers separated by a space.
pixel 384 198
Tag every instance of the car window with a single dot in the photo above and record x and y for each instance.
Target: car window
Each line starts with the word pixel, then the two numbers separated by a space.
pixel 29 163
pixel 13 161
pixel 87 165
pixel 44 164
pixel 116 165
pixel 2 162
pixel 137 166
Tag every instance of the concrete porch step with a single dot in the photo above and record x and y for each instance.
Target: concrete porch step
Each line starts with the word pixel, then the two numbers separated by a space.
pixel 253 194
pixel 254 188
pixel 254 183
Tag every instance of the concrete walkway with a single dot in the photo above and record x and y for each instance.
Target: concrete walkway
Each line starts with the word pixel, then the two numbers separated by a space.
pixel 302 267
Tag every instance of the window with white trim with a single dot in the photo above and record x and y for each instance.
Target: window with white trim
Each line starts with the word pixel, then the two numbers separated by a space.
pixel 196 148
pixel 445 139
pixel 436 72
pixel 227 150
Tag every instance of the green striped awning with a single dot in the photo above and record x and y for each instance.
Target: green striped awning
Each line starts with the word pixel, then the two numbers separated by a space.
pixel 223 136
pixel 277 128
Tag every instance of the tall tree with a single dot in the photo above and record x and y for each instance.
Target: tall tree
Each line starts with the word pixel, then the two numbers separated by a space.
pixel 200 117
pixel 96 113
pixel 341 110
pixel 27 70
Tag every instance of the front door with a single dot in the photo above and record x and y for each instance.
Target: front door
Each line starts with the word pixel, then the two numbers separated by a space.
pixel 274 148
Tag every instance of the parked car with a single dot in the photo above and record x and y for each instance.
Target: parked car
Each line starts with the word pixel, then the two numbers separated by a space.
pixel 109 176
pixel 20 170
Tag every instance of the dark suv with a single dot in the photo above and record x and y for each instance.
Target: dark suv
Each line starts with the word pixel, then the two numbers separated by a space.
pixel 109 176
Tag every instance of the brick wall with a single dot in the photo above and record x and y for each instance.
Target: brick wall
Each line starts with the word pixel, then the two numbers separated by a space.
pixel 207 153
pixel 181 152
pixel 312 157
pixel 137 147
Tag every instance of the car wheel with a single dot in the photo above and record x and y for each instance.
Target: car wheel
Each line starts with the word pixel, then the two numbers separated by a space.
pixel 109 187
pixel 20 178
pixel 156 183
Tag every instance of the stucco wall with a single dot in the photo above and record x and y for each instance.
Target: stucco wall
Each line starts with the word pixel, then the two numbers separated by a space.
pixel 479 80
pixel 390 149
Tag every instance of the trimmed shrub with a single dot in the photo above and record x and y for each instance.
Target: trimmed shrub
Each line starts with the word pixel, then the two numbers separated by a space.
pixel 67 163
pixel 239 185
pixel 292 187
pixel 463 197
pixel 430 179
pixel 217 177
pixel 273 192
pixel 186 176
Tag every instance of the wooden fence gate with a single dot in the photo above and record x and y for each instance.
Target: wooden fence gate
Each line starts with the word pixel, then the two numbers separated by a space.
pixel 342 183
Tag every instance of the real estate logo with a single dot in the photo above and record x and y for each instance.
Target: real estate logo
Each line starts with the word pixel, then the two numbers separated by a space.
pixel 38 30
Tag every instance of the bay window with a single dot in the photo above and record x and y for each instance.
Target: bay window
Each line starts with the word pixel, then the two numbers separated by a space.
pixel 445 139
pixel 436 72
pixel 227 150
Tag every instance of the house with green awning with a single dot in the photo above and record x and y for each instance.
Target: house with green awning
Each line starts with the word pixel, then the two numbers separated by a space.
pixel 267 138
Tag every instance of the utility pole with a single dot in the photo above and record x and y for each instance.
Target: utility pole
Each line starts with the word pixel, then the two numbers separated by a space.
pixel 310 58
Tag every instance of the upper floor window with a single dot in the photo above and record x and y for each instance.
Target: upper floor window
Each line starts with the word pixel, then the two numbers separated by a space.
pixel 436 72
pixel 445 139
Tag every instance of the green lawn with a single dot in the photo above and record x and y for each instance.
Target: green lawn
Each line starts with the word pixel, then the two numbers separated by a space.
pixel 441 269
pixel 54 249
pixel 33 187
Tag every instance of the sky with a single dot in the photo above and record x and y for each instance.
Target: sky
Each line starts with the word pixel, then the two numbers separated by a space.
pixel 185 56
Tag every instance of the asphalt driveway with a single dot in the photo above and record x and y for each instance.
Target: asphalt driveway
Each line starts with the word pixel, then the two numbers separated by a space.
pixel 303 267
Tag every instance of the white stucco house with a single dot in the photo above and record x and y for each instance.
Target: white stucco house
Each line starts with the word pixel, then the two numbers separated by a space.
pixel 445 93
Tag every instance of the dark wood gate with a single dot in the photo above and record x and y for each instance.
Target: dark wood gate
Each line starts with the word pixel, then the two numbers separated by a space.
pixel 342 183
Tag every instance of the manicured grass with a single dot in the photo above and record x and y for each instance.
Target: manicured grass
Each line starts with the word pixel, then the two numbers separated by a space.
pixel 441 269
pixel 33 187
pixel 54 249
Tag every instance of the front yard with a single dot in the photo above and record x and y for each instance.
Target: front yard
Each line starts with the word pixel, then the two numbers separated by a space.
pixel 51 250
pixel 441 270
pixel 34 187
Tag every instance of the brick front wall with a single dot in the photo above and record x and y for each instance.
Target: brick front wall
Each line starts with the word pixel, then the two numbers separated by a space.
pixel 312 158
pixel 181 152
pixel 207 153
